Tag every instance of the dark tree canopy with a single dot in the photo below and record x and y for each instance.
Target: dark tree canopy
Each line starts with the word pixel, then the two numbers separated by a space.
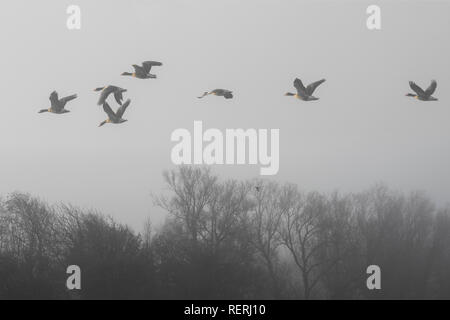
pixel 228 239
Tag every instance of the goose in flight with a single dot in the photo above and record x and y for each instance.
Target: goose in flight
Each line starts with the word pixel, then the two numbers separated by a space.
pixel 106 91
pixel 57 105
pixel 421 94
pixel 115 117
pixel 305 94
pixel 143 72
pixel 227 94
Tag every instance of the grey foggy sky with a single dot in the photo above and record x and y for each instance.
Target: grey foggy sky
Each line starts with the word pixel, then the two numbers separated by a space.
pixel 363 130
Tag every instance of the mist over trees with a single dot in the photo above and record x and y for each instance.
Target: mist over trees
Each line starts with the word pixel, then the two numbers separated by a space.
pixel 228 239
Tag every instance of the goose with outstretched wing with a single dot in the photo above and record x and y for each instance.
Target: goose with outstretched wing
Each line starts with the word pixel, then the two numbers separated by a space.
pixel 423 95
pixel 143 71
pixel 305 94
pixel 115 117
pixel 58 105
pixel 227 94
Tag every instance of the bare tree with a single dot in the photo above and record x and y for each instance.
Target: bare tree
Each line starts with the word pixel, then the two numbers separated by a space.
pixel 265 221
pixel 224 213
pixel 212 214
pixel 193 189
pixel 303 220
pixel 31 233
pixel 147 233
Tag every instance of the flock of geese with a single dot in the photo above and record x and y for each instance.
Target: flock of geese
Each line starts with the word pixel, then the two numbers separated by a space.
pixel 58 105
pixel 140 72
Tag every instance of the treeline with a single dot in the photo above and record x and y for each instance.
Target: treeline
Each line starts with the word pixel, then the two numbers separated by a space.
pixel 230 240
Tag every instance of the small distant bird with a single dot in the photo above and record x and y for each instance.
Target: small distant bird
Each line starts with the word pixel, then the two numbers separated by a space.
pixel 258 189
pixel 143 72
pixel 106 91
pixel 423 95
pixel 57 105
pixel 115 117
pixel 305 94
pixel 227 94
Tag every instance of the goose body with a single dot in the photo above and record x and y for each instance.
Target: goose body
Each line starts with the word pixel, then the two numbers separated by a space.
pixel 106 91
pixel 143 71
pixel 115 117
pixel 58 105
pixel 305 94
pixel 227 94
pixel 423 95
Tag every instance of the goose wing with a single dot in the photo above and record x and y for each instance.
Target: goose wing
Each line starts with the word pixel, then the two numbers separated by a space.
pixel 104 95
pixel 118 96
pixel 298 84
pixel 122 109
pixel 54 100
pixel 69 98
pixel 310 88
pixel 109 111
pixel 417 89
pixel 431 89
pixel 147 65
pixel 228 94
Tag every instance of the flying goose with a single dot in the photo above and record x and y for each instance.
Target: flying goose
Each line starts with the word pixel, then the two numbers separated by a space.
pixel 117 116
pixel 423 95
pixel 106 91
pixel 227 94
pixel 143 72
pixel 303 93
pixel 57 105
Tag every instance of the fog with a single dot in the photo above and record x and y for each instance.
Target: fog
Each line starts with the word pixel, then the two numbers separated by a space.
pixel 363 130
